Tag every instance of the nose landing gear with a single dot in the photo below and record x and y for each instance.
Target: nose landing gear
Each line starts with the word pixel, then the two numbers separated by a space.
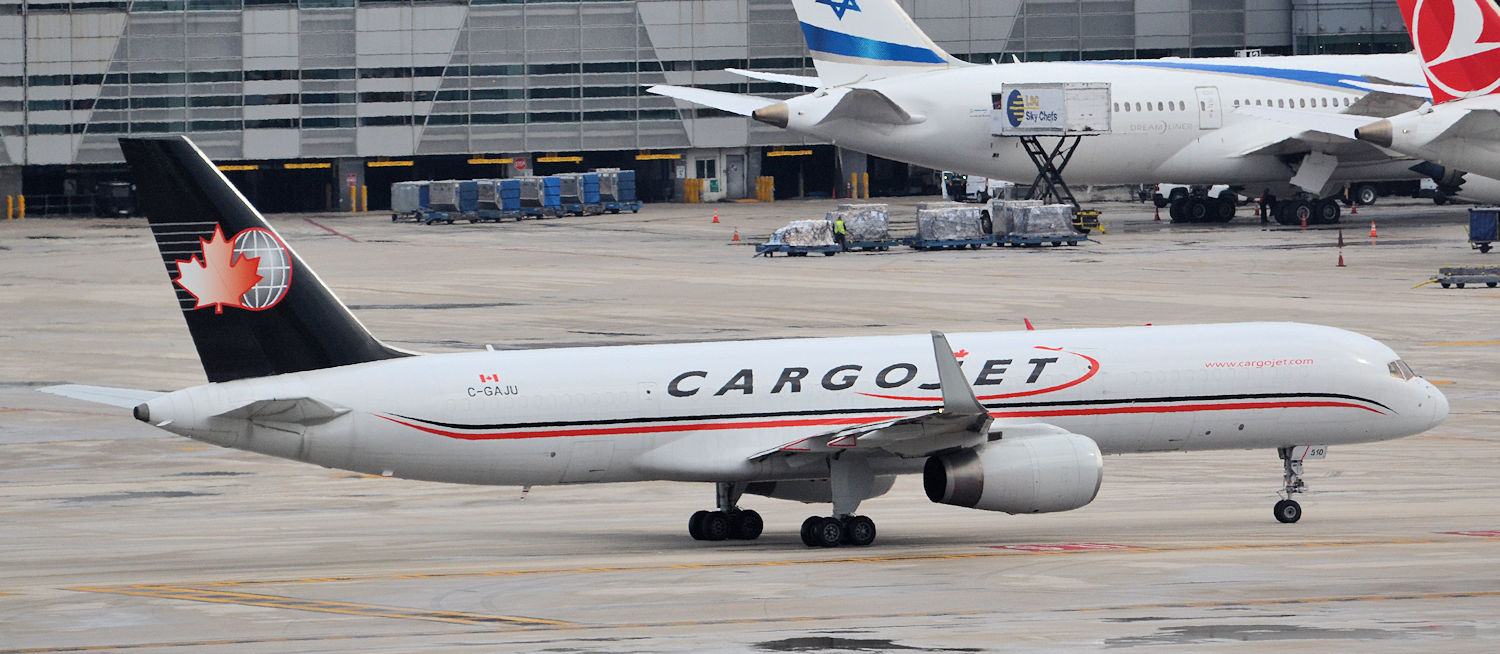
pixel 1288 510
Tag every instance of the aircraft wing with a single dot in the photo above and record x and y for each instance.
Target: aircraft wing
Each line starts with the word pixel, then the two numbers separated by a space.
pixel 1294 132
pixel 1341 125
pixel 794 80
pixel 126 398
pixel 962 422
pixel 734 103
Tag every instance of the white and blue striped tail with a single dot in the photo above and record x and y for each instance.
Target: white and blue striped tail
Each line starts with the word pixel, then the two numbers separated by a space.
pixel 862 40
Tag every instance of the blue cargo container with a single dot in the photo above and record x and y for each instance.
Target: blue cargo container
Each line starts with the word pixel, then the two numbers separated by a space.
pixel 541 196
pixel 1484 227
pixel 617 190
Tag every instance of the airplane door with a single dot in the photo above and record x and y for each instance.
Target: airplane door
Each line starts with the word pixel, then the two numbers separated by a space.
pixel 734 175
pixel 1208 108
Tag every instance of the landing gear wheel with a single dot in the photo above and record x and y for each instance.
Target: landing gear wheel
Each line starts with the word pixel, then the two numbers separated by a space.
pixel 808 526
pixel 1198 210
pixel 1178 210
pixel 1327 211
pixel 695 525
pixel 859 531
pixel 745 525
pixel 715 525
pixel 1288 511
pixel 829 532
pixel 1365 194
pixel 1282 211
pixel 1225 209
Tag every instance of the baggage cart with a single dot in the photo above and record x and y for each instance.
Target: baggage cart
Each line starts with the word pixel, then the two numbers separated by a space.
pixel 1484 228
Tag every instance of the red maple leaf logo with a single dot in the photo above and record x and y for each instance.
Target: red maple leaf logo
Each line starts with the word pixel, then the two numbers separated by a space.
pixel 961 353
pixel 220 279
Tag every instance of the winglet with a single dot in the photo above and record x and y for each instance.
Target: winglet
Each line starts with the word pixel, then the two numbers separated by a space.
pixel 1029 328
pixel 958 396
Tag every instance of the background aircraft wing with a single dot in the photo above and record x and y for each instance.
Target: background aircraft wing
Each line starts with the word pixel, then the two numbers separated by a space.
pixel 733 103
pixel 127 398
pixel 794 80
pixel 1293 132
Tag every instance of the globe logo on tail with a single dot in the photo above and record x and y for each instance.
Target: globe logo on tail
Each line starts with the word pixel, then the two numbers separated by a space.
pixel 251 271
pixel 1459 42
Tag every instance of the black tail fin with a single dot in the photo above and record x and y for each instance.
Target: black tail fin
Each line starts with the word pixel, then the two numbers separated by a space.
pixel 252 306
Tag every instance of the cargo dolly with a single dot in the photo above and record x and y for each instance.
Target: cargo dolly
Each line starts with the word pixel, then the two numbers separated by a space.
pixel 769 249
pixel 1461 275
pixel 433 217
pixel 1034 241
pixel 616 207
pixel 959 244
pixel 871 246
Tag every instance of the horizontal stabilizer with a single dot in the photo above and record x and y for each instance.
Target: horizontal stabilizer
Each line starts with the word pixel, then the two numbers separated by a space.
pixel 870 106
pixel 794 80
pixel 297 411
pixel 734 103
pixel 125 398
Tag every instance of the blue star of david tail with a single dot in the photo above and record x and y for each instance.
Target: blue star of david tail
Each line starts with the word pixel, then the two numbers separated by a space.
pixel 840 6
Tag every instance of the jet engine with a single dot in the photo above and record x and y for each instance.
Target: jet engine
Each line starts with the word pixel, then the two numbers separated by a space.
pixel 1028 474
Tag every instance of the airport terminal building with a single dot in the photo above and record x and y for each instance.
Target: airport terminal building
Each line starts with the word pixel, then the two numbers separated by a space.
pixel 314 96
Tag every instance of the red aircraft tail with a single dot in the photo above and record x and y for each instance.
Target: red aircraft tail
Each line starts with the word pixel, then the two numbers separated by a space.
pixel 1459 43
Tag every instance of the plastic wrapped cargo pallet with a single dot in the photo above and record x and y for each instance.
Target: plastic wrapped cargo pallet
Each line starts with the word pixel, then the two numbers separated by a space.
pixel 1047 221
pixel 864 223
pixel 804 233
pixel 1004 213
pixel 409 197
pixel 959 223
pixel 942 204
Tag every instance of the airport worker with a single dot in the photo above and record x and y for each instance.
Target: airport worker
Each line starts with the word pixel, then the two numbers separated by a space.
pixel 839 231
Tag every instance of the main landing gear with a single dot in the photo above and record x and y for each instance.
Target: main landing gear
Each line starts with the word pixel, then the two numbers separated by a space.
pixel 820 531
pixel 1288 510
pixel 730 521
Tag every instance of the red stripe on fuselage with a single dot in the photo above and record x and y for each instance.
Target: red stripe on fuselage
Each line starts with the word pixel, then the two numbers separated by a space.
pixel 820 422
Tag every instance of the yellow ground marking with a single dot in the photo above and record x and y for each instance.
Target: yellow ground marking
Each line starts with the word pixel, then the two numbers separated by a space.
pixel 1460 343
pixel 319 606
pixel 1440 383
pixel 898 558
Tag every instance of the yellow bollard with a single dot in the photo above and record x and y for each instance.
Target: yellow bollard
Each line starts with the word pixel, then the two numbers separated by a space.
pixel 20 206
pixel 353 200
pixel 864 178
pixel 364 198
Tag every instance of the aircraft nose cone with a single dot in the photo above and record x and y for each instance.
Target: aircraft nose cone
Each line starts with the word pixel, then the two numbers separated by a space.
pixel 1439 406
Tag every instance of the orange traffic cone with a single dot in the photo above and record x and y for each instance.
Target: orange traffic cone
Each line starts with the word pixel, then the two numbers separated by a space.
pixel 1304 223
pixel 1341 239
pixel 736 238
pixel 1341 259
pixel 1158 215
pixel 1354 209
pixel 1372 229
pixel 716 215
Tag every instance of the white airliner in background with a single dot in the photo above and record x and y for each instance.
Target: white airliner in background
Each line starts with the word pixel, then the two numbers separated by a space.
pixel 999 421
pixel 883 87
pixel 1462 129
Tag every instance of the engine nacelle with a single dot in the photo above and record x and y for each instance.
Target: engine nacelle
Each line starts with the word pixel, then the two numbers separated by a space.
pixel 1027 474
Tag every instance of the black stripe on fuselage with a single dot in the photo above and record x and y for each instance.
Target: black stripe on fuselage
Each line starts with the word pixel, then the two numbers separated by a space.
pixel 900 409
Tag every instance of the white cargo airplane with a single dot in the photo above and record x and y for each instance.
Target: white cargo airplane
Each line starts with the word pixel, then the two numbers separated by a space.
pixel 1458 42
pixel 1021 429
pixel 883 87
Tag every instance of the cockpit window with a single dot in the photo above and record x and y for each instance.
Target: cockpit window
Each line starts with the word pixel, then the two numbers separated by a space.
pixel 1400 370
